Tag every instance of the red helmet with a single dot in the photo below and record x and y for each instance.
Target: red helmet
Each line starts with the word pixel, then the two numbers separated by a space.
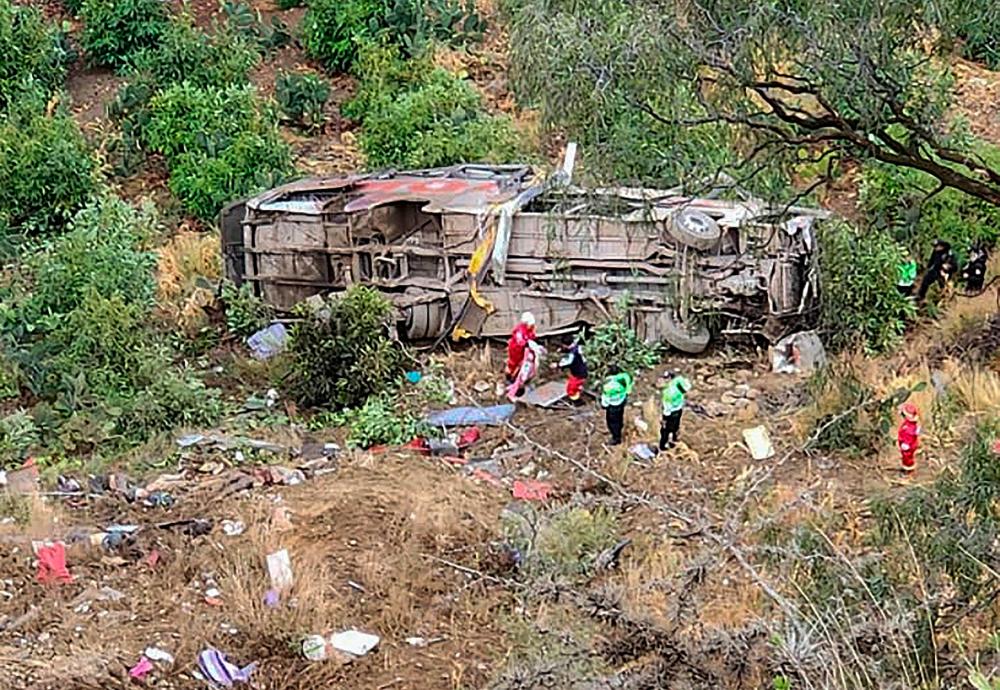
pixel 909 411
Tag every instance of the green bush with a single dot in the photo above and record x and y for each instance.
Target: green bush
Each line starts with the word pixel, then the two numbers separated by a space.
pixel 414 24
pixel 185 53
pixel 380 421
pixel 331 29
pixel 562 544
pixel 344 354
pixel 185 118
pixel 18 433
pixel 30 51
pixel 244 21
pixel 858 272
pixel 901 199
pixel 114 31
pixel 102 252
pixel 440 121
pixel 245 312
pixel 302 97
pixel 615 343
pixel 46 168
pixel 250 163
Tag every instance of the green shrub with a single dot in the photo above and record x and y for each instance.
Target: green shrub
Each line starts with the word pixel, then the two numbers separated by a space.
pixel 73 6
pixel 858 271
pixel 101 253
pixel 343 354
pixel 331 29
pixel 245 312
pixel 185 53
pixel 440 121
pixel 302 97
pixel 901 199
pixel 562 544
pixel 176 399
pixel 414 24
pixel 30 51
pixel 18 434
pixel 614 342
pixel 46 168
pixel 380 421
pixel 114 31
pixel 288 4
pixel 250 163
pixel 185 118
pixel 245 21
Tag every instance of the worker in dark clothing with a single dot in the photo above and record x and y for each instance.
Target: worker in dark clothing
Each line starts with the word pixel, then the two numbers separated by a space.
pixel 614 396
pixel 974 272
pixel 940 268
pixel 573 361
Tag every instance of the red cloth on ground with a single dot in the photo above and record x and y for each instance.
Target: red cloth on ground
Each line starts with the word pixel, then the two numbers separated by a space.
pixel 531 490
pixel 518 341
pixel 908 440
pixel 52 564
pixel 574 386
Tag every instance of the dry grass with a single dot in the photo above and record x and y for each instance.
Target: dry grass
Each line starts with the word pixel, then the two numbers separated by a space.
pixel 187 265
pixel 978 389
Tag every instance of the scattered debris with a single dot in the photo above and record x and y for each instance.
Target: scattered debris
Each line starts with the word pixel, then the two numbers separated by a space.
pixel 279 568
pixel 216 668
pixel 281 519
pixel 272 598
pixel 643 451
pixel 801 352
pixel 414 377
pixel 68 485
pixel 233 528
pixel 314 648
pixel 496 415
pixel 52 563
pixel 276 474
pixel 158 655
pixel 608 559
pixel 545 395
pixel 424 641
pixel 267 342
pixel 141 669
pixel 531 490
pixel 759 443
pixel 159 499
pixel 194 527
pixel 354 642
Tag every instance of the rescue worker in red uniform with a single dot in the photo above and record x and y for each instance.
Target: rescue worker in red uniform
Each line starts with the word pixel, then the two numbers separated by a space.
pixel 908 437
pixel 523 333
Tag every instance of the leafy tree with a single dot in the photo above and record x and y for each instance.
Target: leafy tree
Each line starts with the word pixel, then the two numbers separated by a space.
pixel 46 168
pixel 251 163
pixel 439 122
pixel 773 79
pixel 331 29
pixel 32 51
pixel 344 353
pixel 861 305
pixel 114 31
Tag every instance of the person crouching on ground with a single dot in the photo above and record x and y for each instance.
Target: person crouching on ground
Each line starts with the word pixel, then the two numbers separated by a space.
pixel 523 333
pixel 614 395
pixel 573 361
pixel 908 437
pixel 674 392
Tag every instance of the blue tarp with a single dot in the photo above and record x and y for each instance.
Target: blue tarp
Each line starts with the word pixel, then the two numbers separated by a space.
pixel 472 416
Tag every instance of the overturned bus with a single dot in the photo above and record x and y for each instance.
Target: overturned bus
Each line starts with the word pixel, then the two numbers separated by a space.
pixel 462 251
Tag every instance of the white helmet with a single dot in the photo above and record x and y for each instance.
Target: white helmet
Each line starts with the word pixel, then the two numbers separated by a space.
pixel 528 319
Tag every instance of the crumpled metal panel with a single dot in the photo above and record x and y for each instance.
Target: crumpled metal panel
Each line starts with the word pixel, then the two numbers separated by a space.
pixel 447 194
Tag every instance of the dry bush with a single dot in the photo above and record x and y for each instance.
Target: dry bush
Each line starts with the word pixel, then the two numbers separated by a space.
pixel 977 389
pixel 188 265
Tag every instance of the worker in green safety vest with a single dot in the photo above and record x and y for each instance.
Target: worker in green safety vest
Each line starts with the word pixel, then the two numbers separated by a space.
pixel 614 395
pixel 907 276
pixel 674 398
